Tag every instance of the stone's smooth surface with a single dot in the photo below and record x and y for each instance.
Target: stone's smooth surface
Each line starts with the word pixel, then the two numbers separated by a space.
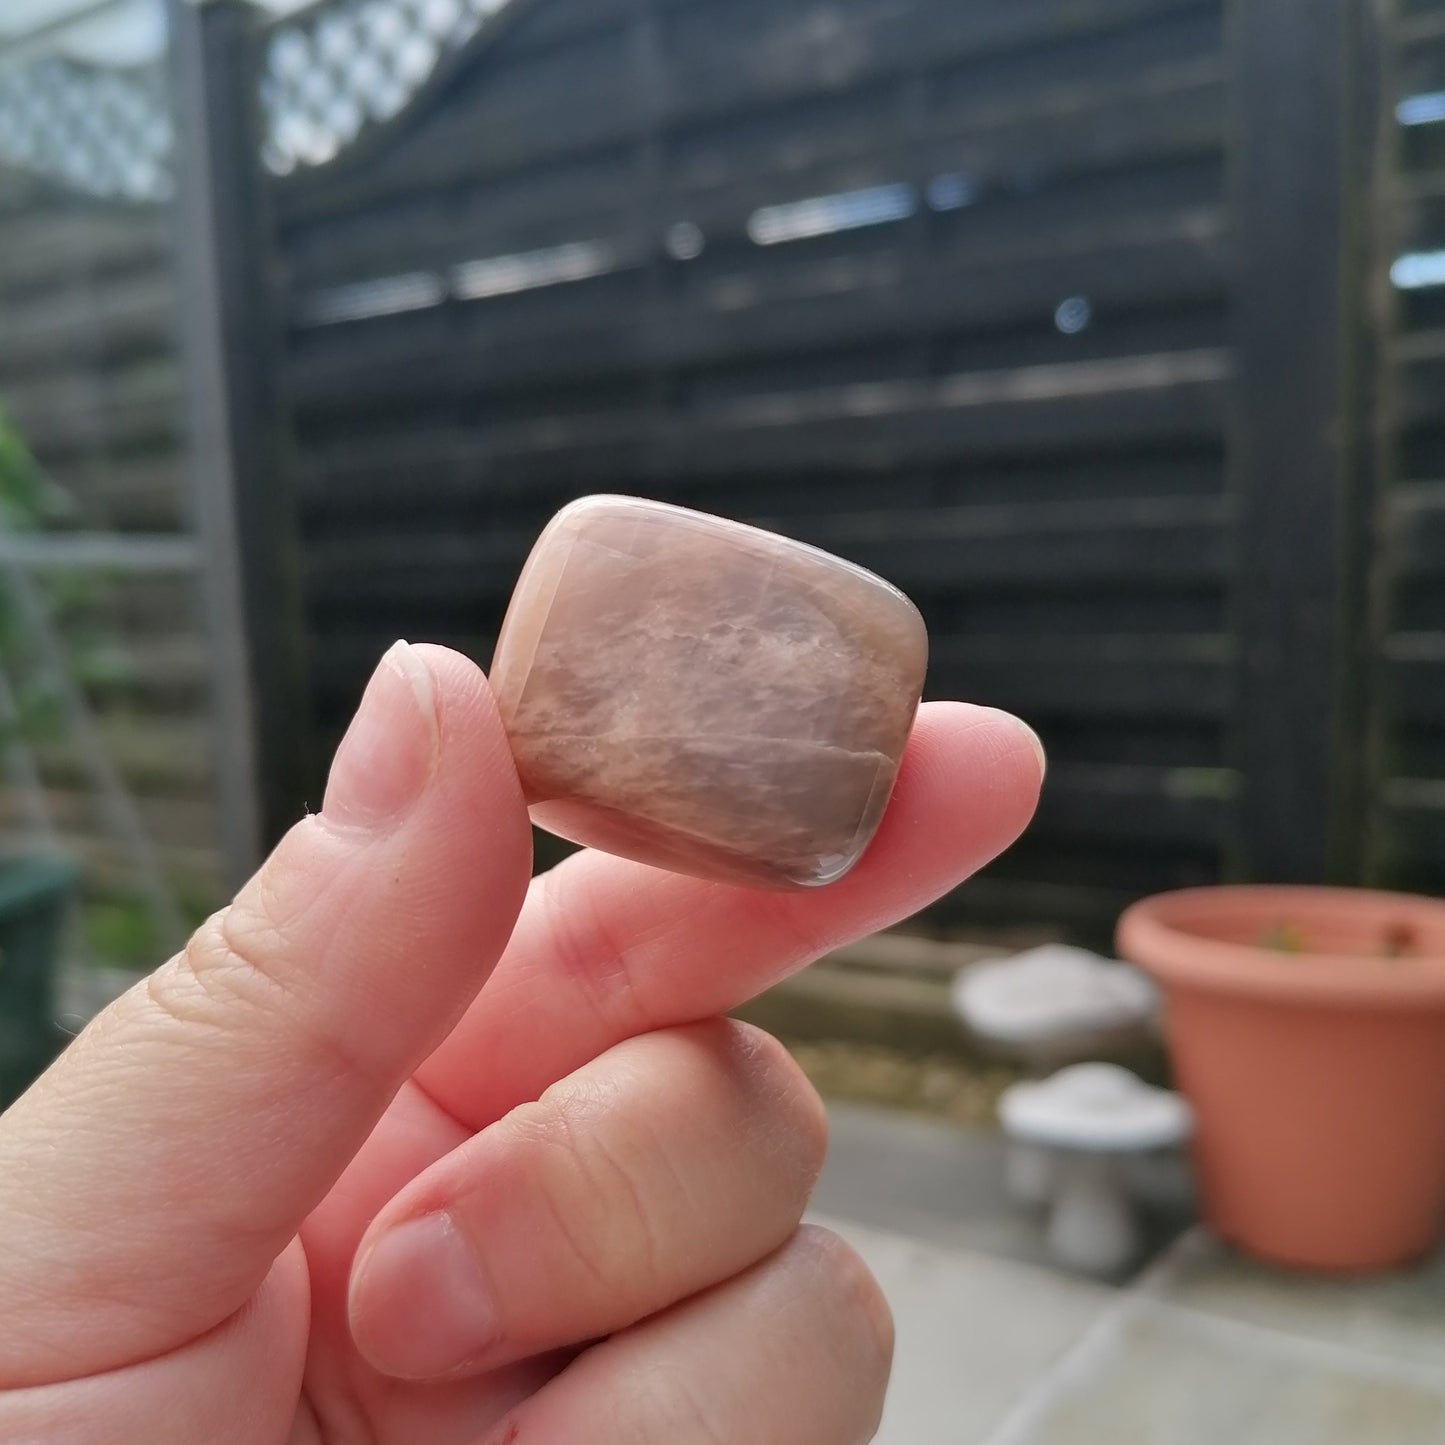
pixel 704 696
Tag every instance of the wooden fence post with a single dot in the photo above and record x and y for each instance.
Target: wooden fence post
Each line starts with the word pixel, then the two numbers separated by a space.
pixel 1300 123
pixel 246 517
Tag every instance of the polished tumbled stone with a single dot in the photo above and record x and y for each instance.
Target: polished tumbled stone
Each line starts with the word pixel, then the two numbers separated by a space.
pixel 704 696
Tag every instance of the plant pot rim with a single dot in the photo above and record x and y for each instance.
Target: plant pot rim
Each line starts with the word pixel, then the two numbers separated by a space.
pixel 1160 934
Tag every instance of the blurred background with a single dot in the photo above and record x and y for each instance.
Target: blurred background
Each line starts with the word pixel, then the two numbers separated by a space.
pixel 1110 330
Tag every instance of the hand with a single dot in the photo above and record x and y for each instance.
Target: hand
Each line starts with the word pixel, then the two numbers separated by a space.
pixel 306 1183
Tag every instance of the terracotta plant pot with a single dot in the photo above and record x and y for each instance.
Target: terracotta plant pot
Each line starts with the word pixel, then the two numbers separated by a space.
pixel 1307 1030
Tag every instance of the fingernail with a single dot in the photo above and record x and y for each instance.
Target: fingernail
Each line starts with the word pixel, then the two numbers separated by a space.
pixel 426 1310
pixel 1038 746
pixel 1038 750
pixel 388 752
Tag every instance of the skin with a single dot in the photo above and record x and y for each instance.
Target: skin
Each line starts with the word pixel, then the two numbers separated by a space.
pixel 311 1182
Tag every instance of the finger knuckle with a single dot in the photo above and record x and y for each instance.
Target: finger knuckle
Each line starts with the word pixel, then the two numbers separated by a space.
pixel 593 957
pixel 669 1406
pixel 225 981
pixel 588 1180
pixel 218 971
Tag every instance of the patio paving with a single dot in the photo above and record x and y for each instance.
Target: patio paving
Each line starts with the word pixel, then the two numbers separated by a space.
pixel 1199 1347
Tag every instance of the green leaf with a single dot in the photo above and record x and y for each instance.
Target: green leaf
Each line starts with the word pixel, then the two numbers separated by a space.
pixel 1283 938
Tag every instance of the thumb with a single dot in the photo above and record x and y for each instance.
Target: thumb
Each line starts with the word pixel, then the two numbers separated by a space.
pixel 152 1176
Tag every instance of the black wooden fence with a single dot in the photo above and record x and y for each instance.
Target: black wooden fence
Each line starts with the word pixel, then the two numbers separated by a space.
pixel 1408 305
pixel 1073 317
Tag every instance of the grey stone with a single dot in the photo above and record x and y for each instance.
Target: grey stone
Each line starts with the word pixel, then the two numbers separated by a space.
pixel 705 696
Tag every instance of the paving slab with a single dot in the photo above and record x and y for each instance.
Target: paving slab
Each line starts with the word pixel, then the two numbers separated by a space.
pixel 1170 1376
pixel 1200 1347
pixel 1398 1316
pixel 975 1333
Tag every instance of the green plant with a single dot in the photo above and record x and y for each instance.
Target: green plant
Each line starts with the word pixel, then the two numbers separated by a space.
pixel 52 648
pixel 28 503
pixel 28 499
pixel 1399 941
pixel 1283 938
pixel 31 502
pixel 122 931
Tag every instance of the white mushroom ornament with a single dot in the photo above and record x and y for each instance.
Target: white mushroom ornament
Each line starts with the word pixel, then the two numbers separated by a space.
pixel 1055 1004
pixel 1051 1006
pixel 1091 1119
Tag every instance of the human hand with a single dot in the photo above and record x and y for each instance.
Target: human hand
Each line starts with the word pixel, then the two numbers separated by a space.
pixel 306 1184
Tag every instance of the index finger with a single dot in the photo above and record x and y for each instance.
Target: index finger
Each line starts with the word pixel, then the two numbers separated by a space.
pixel 606 949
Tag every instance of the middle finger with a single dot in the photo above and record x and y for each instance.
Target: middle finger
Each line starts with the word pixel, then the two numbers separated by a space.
pixel 672 1162
pixel 606 949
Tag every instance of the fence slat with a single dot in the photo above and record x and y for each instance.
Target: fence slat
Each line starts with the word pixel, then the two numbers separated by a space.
pixel 1296 466
pixel 246 519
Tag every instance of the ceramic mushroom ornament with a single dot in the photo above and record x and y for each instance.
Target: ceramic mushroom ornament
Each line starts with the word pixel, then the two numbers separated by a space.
pixel 704 696
pixel 1055 1004
pixel 1093 1118
pixel 1051 1005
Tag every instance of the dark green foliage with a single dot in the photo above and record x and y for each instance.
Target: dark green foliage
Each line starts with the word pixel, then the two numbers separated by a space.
pixel 28 501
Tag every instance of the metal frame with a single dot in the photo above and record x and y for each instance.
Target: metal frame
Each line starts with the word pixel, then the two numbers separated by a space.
pixel 36 40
